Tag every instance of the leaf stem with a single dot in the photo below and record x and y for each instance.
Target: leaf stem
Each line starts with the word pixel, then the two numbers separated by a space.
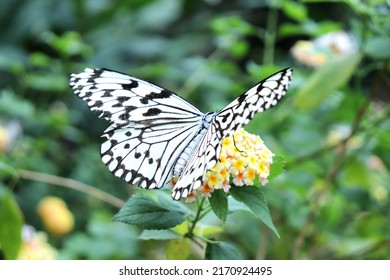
pixel 198 216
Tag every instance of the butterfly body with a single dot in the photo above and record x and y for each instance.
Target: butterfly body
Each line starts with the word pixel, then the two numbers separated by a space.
pixel 155 135
pixel 192 145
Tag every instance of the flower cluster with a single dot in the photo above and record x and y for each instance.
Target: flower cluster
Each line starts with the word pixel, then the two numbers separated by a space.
pixel 244 157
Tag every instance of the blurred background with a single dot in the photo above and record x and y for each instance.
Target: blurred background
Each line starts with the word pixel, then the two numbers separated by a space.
pixel 57 198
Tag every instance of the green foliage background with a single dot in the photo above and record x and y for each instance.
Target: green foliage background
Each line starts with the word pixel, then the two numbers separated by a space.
pixel 332 201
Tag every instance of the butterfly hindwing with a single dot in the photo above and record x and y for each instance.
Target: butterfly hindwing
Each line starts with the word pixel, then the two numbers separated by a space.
pixel 144 156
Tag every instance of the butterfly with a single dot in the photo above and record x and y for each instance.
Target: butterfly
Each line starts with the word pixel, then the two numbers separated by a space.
pixel 155 135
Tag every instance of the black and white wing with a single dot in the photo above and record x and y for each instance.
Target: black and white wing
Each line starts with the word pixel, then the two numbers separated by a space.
pixel 238 113
pixel 259 98
pixel 149 126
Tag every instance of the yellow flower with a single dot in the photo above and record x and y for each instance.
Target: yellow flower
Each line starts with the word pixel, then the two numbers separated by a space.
pixel 224 160
pixel 263 169
pixel 249 176
pixel 238 166
pixel 226 142
pixel 213 179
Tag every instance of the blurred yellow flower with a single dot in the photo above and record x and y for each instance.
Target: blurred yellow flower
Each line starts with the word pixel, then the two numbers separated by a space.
pixel 35 246
pixel 55 215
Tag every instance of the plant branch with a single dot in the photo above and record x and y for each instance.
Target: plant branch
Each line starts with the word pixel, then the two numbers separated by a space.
pixel 71 184
pixel 270 36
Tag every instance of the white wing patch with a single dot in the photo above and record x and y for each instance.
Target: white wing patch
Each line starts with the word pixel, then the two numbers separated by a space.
pixel 154 133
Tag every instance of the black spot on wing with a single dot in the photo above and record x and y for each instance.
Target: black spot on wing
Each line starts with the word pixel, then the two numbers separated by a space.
pixel 98 104
pixel 144 100
pixel 163 94
pixel 107 93
pixel 133 84
pixel 242 98
pixel 123 98
pixel 156 95
pixel 130 108
pixel 152 112
pixel 137 155
pixel 125 116
pixel 106 115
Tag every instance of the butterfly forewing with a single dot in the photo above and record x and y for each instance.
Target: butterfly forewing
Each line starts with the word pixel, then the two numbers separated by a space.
pixel 123 99
pixel 150 126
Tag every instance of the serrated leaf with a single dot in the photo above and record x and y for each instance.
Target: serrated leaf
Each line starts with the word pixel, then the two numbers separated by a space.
pixel 277 167
pixel 177 249
pixel 253 197
pixel 164 234
pixel 141 210
pixel 219 204
pixel 325 80
pixel 222 251
pixel 11 223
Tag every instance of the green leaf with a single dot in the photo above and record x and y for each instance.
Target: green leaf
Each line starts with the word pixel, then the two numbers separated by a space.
pixel 277 167
pixel 165 234
pixel 254 198
pixel 295 10
pixel 11 223
pixel 219 204
pixel 165 200
pixel 177 249
pixel 325 80
pixel 143 211
pixel 222 251
pixel 231 25
pixel 378 48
